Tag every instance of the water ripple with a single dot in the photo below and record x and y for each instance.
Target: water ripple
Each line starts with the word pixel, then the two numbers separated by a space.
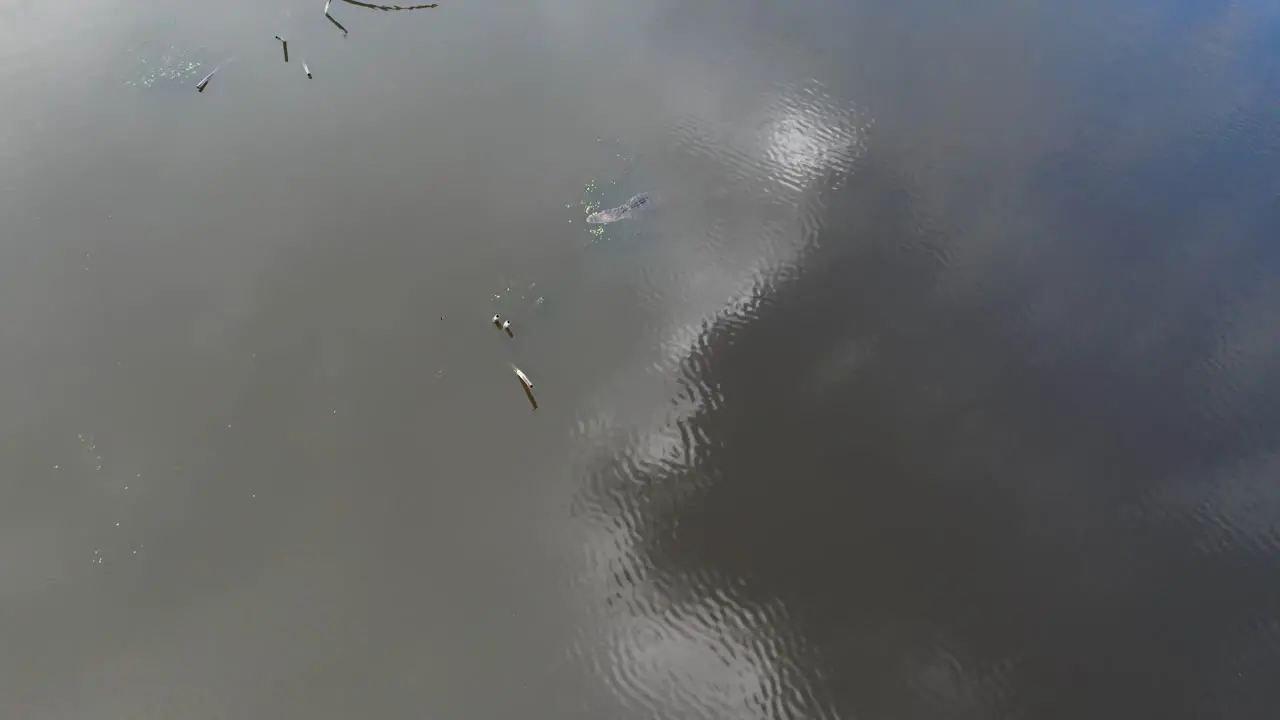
pixel 670 637
pixel 715 657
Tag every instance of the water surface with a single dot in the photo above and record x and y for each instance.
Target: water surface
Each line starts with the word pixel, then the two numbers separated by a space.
pixel 941 387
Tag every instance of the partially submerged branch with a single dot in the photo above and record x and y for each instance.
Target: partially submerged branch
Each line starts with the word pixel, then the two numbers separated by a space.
pixel 390 7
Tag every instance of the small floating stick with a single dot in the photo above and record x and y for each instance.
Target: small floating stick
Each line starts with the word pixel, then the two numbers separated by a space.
pixel 335 22
pixel 524 379
pixel 285 44
pixel 527 385
pixel 205 81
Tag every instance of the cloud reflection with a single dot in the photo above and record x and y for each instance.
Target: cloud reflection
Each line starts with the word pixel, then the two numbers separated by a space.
pixel 1034 490
pixel 693 640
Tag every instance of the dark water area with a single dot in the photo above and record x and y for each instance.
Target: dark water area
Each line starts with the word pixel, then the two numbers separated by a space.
pixel 939 381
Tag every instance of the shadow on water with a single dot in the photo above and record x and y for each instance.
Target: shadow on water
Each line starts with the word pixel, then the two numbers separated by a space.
pixel 1049 498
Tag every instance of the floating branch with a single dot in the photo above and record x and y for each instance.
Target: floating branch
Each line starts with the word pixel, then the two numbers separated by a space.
pixel 390 7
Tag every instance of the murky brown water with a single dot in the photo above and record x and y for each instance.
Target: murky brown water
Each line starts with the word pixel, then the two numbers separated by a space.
pixel 937 382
